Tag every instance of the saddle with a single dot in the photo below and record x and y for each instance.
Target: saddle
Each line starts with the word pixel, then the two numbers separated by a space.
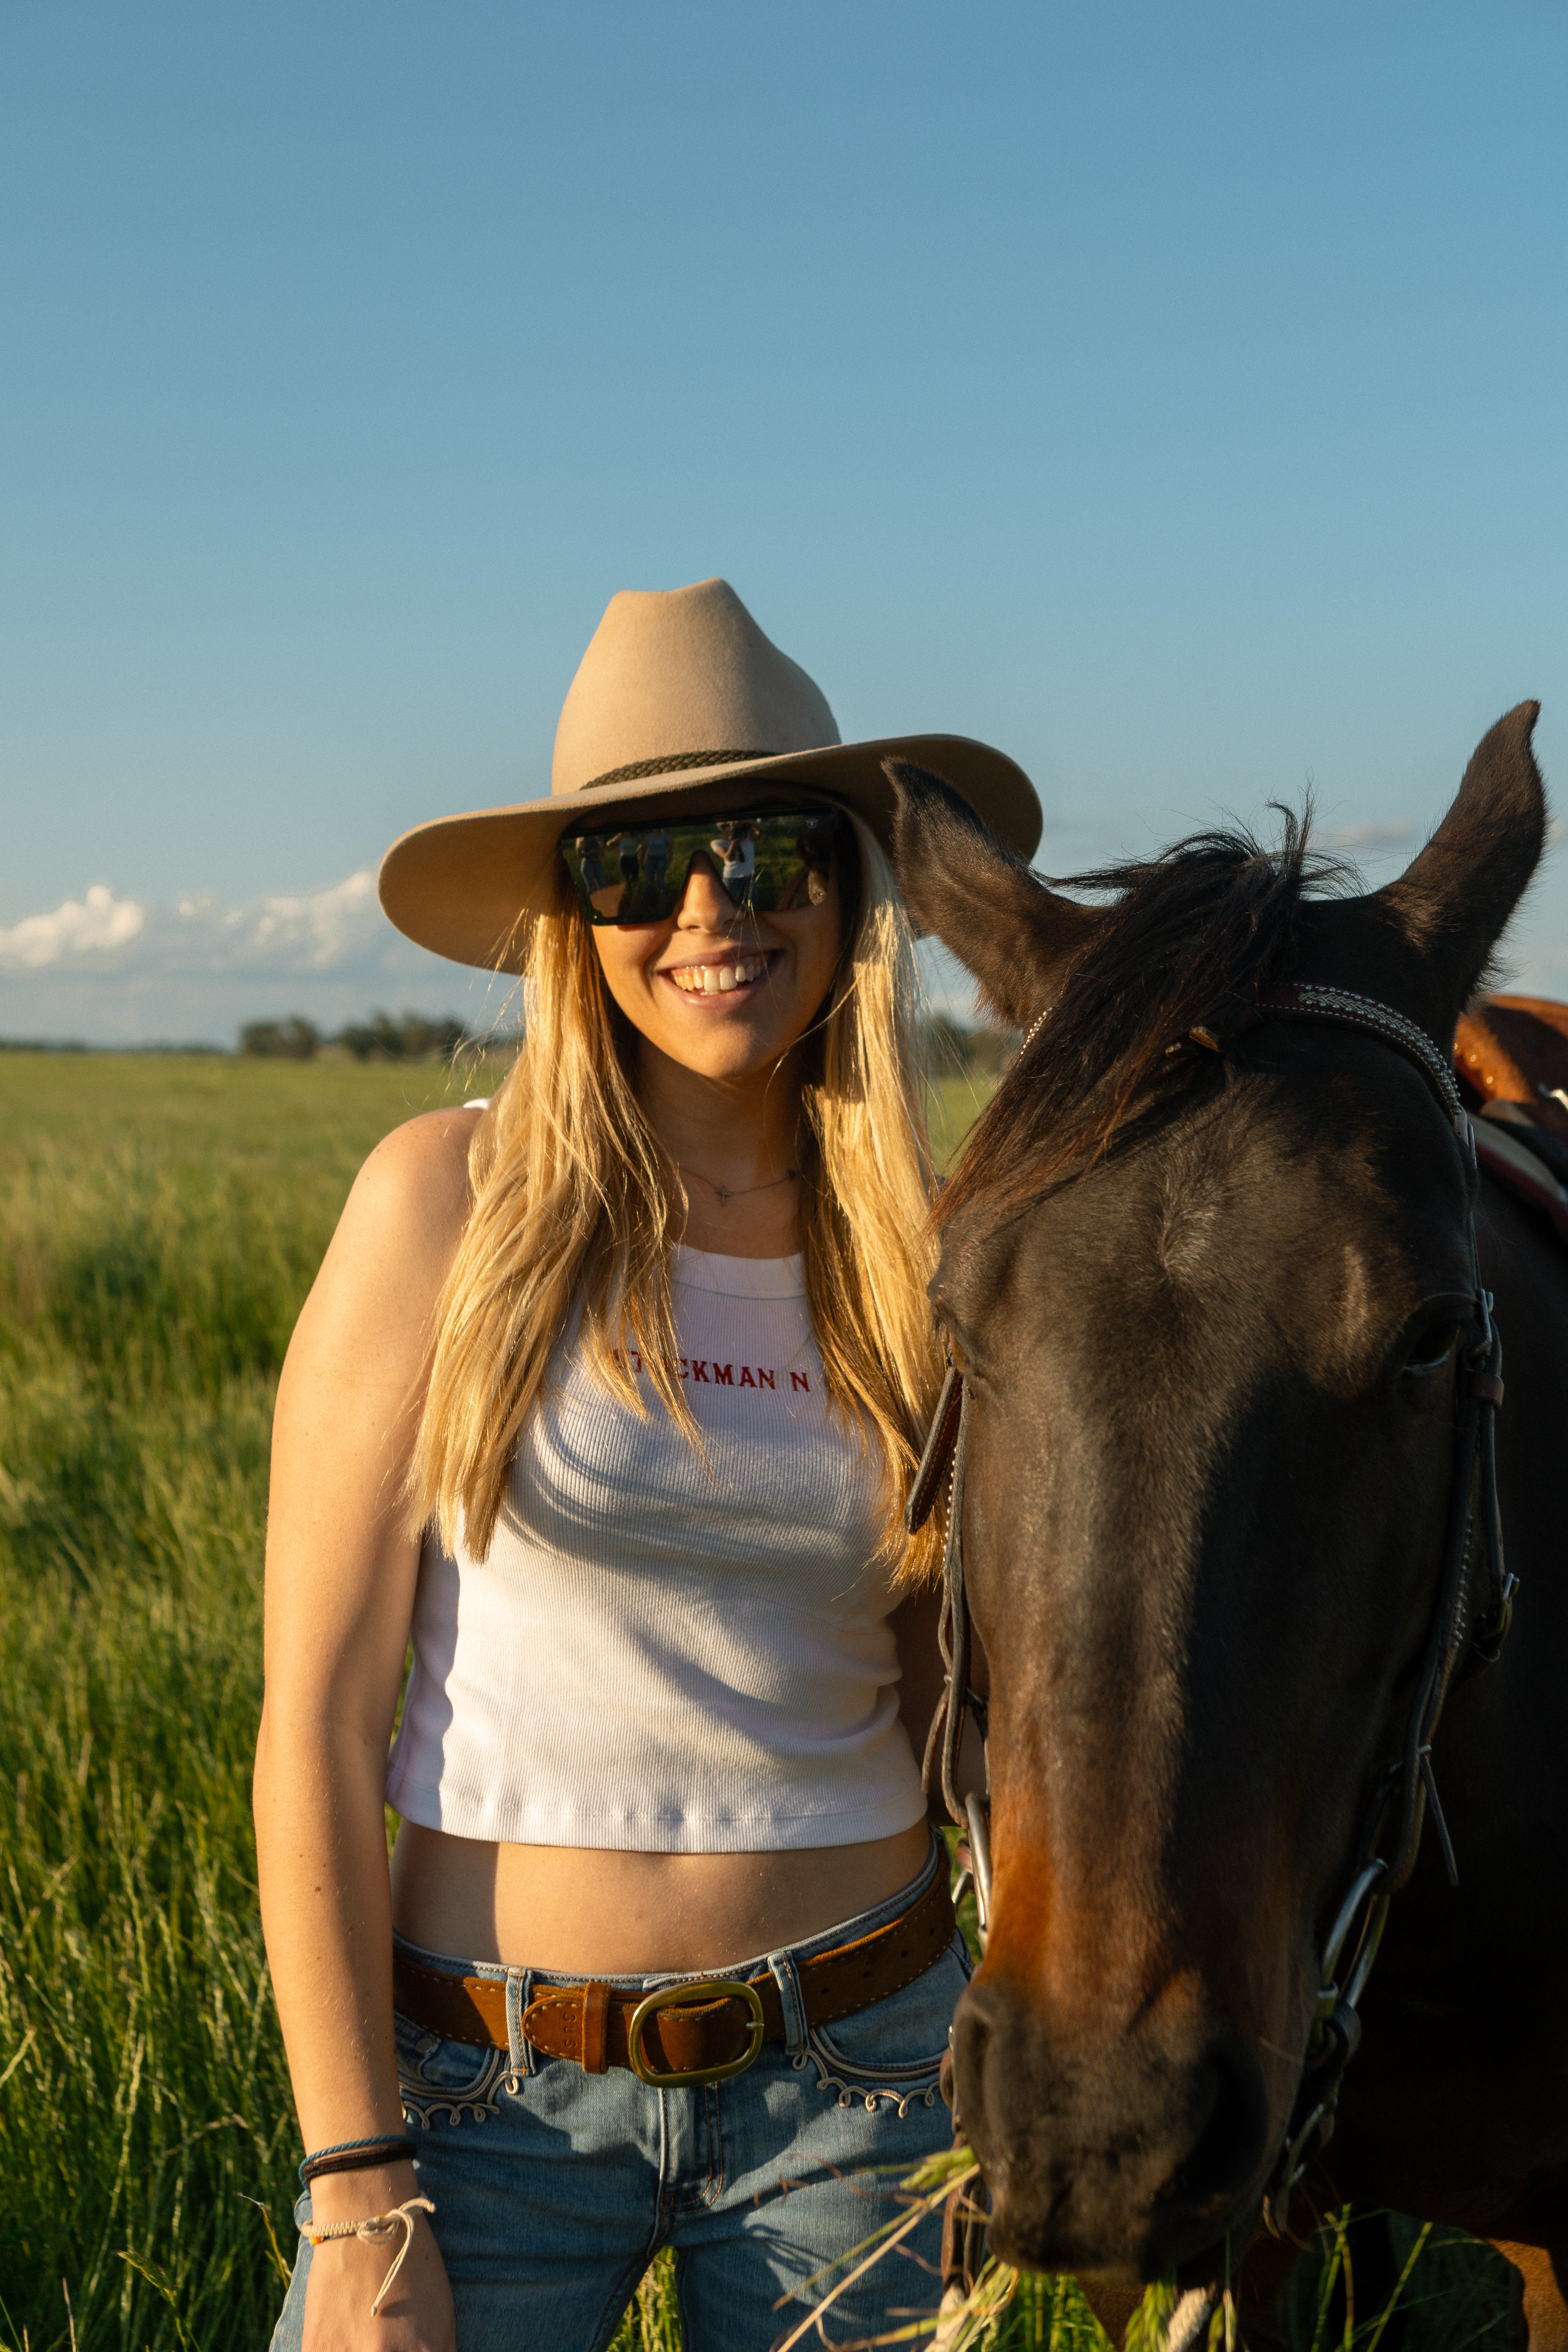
pixel 1511 1057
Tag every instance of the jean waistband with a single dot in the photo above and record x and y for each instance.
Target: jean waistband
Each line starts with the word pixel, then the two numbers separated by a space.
pixel 844 1931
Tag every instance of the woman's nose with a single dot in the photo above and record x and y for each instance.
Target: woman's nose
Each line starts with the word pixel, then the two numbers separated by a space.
pixel 705 904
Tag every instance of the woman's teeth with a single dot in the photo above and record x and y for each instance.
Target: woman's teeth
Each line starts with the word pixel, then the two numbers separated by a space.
pixel 717 979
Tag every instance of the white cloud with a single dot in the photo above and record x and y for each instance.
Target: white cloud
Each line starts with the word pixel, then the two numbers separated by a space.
pixel 325 923
pixel 115 972
pixel 315 931
pixel 94 926
pixel 1393 833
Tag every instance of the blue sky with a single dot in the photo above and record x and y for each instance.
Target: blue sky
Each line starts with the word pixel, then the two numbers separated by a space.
pixel 1175 396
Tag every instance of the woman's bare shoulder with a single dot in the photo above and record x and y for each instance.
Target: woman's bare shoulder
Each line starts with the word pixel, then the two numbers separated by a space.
pixel 399 1232
pixel 419 1174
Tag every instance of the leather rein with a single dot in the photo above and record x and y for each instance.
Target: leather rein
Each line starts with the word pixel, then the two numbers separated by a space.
pixel 1471 1612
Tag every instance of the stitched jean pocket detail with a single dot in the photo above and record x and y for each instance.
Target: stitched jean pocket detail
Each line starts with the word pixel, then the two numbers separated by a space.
pixel 893 2051
pixel 437 2077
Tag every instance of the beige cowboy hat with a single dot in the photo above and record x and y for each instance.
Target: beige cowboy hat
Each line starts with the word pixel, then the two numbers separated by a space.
pixel 679 694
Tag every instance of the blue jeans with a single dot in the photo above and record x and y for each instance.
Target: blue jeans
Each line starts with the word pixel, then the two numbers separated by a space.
pixel 554 2189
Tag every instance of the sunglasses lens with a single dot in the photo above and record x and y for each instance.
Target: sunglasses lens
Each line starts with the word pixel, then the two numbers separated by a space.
pixel 765 864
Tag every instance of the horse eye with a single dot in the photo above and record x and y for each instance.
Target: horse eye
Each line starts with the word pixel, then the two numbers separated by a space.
pixel 1431 1351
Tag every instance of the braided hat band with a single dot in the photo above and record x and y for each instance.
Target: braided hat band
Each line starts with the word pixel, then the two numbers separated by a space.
pixel 671 765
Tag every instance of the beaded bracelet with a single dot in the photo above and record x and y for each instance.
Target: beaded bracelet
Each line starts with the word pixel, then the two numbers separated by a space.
pixel 356 2156
pixel 375 2232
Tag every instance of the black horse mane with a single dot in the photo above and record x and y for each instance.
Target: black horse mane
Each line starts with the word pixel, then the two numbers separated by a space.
pixel 1189 937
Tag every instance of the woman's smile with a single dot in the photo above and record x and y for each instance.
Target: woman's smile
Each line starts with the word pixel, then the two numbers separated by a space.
pixel 727 972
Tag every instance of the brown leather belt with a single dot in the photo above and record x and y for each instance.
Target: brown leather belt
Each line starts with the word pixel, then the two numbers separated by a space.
pixel 701 2031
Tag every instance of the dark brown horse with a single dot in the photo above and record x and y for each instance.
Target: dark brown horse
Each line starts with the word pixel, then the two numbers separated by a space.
pixel 1205 1307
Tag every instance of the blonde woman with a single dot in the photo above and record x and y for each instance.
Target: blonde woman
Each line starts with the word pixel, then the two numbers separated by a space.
pixel 605 1399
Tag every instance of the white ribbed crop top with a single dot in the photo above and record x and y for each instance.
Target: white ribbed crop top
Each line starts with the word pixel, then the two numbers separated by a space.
pixel 657 1659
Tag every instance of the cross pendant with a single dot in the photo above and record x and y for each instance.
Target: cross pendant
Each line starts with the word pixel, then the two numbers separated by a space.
pixel 723 1193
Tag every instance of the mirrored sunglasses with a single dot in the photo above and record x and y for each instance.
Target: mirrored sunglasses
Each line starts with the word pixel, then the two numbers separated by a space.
pixel 766 861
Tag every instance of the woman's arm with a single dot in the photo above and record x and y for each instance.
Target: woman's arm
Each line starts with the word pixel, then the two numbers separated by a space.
pixel 341 1571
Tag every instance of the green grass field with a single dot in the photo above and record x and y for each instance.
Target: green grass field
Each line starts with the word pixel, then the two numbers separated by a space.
pixel 160 1222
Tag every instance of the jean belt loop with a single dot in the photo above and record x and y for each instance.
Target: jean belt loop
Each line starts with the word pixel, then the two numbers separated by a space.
pixel 519 2050
pixel 786 1975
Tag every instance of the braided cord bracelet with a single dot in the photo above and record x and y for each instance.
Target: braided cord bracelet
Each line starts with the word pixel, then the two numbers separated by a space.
pixel 375 2232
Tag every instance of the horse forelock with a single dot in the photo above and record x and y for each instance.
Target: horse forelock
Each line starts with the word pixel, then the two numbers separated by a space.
pixel 1188 938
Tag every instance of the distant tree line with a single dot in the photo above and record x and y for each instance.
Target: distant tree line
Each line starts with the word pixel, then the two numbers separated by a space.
pixel 947 1046
pixel 379 1039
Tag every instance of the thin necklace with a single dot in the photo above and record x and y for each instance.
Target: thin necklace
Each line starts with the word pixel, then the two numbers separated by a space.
pixel 727 1193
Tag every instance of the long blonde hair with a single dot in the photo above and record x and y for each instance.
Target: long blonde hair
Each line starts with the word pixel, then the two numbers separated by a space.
pixel 575 1211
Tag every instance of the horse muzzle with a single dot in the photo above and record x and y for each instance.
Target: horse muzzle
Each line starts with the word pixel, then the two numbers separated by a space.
pixel 1123 2159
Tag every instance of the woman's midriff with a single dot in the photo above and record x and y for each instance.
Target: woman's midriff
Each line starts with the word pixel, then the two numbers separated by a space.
pixel 575 1908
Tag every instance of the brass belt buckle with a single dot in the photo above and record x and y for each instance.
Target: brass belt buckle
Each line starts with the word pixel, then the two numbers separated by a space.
pixel 692 1996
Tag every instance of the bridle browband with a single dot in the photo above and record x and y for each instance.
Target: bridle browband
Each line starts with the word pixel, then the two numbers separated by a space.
pixel 1407 1789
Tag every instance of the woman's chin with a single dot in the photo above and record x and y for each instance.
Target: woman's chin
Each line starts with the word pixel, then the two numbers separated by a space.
pixel 719 1037
pixel 725 1051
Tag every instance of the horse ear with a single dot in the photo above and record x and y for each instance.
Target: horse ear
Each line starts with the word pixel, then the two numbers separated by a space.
pixel 1453 900
pixel 1000 919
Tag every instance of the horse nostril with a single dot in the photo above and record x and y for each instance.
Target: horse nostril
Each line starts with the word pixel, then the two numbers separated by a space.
pixel 1223 2160
pixel 969 2040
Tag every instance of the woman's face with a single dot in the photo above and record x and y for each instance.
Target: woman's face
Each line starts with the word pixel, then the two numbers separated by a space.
pixel 723 993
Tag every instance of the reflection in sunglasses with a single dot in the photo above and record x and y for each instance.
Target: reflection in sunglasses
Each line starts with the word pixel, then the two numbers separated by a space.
pixel 765 863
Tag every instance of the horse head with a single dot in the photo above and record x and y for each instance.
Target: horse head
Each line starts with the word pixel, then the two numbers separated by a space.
pixel 1204 1304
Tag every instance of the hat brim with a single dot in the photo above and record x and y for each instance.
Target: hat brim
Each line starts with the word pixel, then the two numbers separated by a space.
pixel 459 885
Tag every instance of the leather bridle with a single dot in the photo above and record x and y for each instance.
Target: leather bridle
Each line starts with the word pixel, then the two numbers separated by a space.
pixel 1470 1615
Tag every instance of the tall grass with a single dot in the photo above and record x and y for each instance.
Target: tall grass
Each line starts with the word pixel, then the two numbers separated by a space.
pixel 159 1225
pixel 160 1222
